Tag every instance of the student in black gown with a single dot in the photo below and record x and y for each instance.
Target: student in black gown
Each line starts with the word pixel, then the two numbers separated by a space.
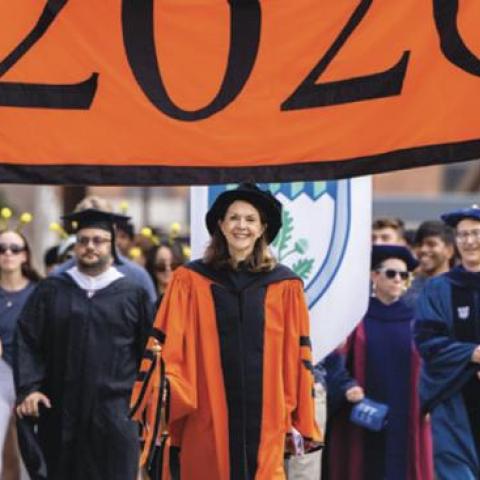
pixel 79 343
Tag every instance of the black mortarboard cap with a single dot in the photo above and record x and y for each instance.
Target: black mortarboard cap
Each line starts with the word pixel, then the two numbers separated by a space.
pixel 93 218
pixel 380 253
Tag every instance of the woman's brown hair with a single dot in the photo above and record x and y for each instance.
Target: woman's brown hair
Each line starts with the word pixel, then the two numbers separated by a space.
pixel 218 256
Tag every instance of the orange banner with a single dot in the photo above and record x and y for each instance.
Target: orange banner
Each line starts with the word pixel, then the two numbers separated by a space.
pixel 214 91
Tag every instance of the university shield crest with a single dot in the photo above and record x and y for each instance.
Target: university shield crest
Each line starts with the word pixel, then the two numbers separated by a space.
pixel 325 240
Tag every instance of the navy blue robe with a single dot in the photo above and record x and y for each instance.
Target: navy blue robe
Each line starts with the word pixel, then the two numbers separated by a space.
pixel 381 358
pixel 447 332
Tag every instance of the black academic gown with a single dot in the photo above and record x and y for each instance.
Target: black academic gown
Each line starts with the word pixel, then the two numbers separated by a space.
pixel 83 353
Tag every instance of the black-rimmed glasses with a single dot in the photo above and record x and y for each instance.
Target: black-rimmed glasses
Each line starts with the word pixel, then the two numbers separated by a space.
pixel 97 241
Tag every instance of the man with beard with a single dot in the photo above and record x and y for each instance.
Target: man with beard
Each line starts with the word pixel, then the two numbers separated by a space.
pixel 79 343
pixel 122 263
pixel 435 250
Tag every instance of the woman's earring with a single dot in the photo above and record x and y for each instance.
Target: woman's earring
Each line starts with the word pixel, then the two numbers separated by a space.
pixel 374 287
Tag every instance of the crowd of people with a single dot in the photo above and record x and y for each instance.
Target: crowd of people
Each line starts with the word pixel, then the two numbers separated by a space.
pixel 127 361
pixel 96 300
pixel 411 366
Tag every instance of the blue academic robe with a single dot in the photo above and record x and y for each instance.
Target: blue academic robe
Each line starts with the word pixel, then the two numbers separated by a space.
pixel 380 357
pixel 446 333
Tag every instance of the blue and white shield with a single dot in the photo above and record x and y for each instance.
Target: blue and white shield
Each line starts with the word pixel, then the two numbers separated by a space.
pixel 324 239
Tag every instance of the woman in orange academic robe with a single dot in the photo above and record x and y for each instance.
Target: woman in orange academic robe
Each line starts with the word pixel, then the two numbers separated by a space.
pixel 235 373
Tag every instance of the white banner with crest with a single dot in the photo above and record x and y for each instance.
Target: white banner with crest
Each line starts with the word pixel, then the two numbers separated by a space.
pixel 325 239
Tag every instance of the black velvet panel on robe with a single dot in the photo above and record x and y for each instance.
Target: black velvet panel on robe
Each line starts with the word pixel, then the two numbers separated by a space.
pixel 239 298
pixel 83 353
pixel 465 304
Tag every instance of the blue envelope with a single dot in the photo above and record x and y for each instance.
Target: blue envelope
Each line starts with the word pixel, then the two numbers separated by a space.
pixel 369 414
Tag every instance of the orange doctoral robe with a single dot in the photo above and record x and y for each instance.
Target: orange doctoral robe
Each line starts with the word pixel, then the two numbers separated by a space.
pixel 236 373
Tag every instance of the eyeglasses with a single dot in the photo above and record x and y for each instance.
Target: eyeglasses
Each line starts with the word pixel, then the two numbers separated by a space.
pixel 161 266
pixel 392 273
pixel 464 235
pixel 96 241
pixel 13 247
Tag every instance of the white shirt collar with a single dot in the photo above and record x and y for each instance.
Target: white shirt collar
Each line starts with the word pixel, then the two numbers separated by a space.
pixel 92 284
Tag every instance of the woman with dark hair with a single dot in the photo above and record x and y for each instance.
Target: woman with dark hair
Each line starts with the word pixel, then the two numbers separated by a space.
pixel 162 261
pixel 235 364
pixel 17 281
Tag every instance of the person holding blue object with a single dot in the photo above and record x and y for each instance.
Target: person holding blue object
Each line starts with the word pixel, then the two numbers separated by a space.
pixel 447 334
pixel 379 363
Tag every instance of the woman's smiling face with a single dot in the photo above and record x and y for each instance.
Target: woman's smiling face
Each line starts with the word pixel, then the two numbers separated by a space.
pixel 242 227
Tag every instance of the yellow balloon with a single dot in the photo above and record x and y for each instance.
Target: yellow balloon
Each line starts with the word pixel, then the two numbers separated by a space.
pixel 175 228
pixel 26 217
pixel 6 213
pixel 146 232
pixel 134 252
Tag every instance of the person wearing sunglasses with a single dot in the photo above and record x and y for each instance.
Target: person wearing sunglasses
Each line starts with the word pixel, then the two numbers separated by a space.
pixel 379 362
pixel 447 334
pixel 78 346
pixel 162 261
pixel 17 281
pixel 233 331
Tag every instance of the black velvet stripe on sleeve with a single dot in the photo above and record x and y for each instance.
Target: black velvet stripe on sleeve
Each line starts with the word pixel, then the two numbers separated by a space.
pixel 159 335
pixel 156 468
pixel 149 355
pixel 308 365
pixel 305 342
pixel 158 415
pixel 144 377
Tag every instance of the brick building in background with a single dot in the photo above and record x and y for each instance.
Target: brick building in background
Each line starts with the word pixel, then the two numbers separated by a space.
pixel 424 193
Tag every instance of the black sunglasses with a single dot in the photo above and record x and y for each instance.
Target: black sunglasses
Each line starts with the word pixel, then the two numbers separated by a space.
pixel 13 247
pixel 392 273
